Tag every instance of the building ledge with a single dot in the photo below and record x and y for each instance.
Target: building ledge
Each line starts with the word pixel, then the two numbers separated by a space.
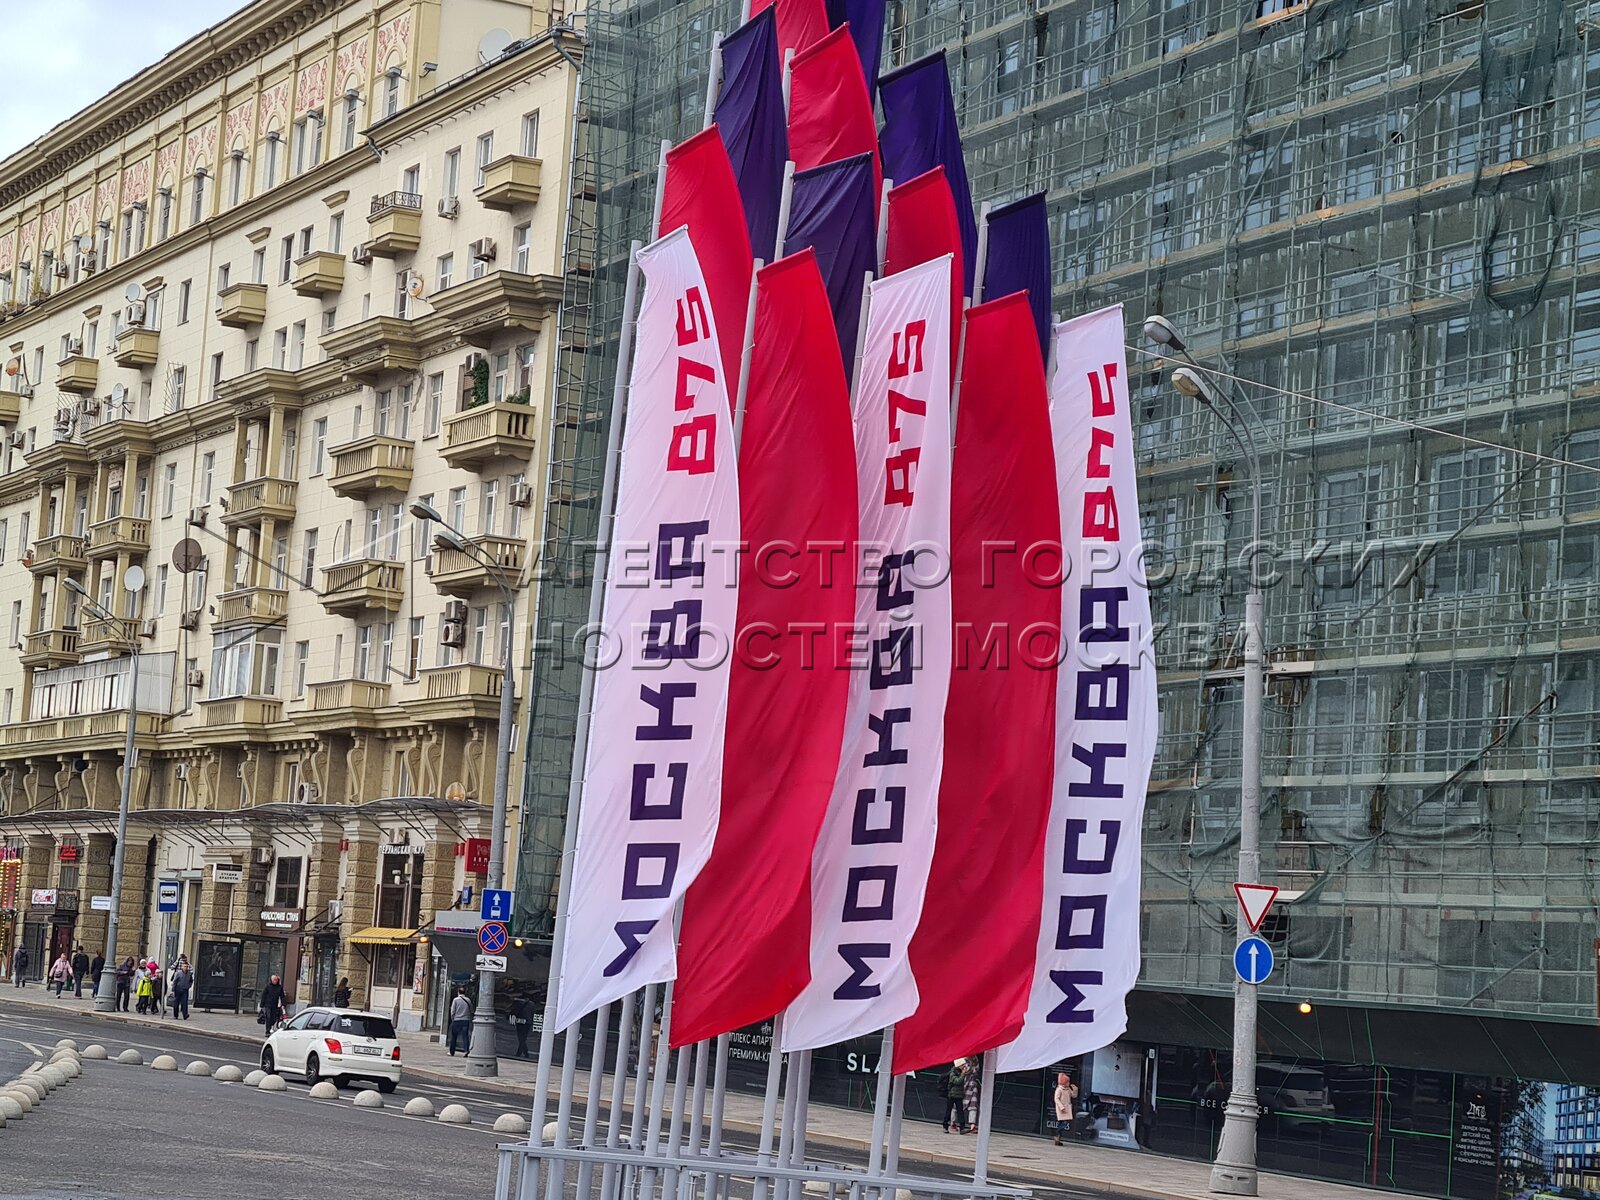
pixel 375 346
pixel 479 309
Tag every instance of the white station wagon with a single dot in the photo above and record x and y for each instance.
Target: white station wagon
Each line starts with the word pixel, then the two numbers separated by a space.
pixel 336 1044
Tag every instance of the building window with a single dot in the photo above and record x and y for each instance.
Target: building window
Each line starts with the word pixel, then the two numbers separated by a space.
pixel 480 635
pixel 208 472
pixel 352 103
pixel 443 270
pixel 216 374
pixel 269 160
pixel 302 658
pixel 183 302
pixel 452 173
pixel 286 883
pixel 286 266
pixel 164 214
pixel 1465 495
pixel 414 648
pixel 235 178
pixel 424 530
pixel 169 489
pixel 391 92
pixel 530 134
pixel 161 589
pixel 411 180
pixel 489 507
pixel 485 156
pixel 319 444
pixel 197 206
pixel 521 238
pixel 258 265
pixel 435 409
pixel 457 515
pixel 177 384
pixel 308 557
pixel 307 142
pixel 336 232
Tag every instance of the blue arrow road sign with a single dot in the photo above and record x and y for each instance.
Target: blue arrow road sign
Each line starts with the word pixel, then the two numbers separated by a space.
pixel 496 905
pixel 492 938
pixel 1252 959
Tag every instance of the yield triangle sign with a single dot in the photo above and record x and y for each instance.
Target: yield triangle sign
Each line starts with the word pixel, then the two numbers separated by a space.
pixel 1255 899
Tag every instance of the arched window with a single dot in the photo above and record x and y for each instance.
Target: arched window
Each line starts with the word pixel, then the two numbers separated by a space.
pixel 197 197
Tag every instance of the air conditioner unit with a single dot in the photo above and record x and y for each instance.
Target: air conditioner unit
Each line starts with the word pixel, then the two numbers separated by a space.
pixel 147 628
pixel 452 633
pixel 449 206
pixel 74 346
pixel 18 440
pixel 482 250
pixel 306 793
pixel 133 315
pixel 262 856
pixel 90 406
pixel 62 270
pixel 196 677
pixel 63 422
pixel 86 264
pixel 183 771
pixel 197 516
pixel 190 619
pixel 361 254
pixel 456 610
pixel 25 391
pixel 521 495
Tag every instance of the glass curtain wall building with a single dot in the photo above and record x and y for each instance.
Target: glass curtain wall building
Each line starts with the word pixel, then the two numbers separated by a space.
pixel 1381 220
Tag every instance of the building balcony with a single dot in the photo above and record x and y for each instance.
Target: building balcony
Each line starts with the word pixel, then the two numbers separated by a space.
pixel 119 535
pixel 50 648
pixel 460 693
pixel 342 703
pixel 394 224
pixel 99 637
pixel 242 305
pixel 456 573
pixel 320 273
pixel 230 718
pixel 376 463
pixel 479 310
pixel 118 432
pixel 251 606
pixel 78 373
pixel 93 731
pixel 263 387
pixel 59 552
pixel 136 347
pixel 363 585
pixel 488 432
pixel 508 182
pixel 260 500
pixel 10 408
pixel 374 347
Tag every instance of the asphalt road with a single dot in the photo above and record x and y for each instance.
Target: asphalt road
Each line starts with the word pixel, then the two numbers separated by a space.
pixel 177 1137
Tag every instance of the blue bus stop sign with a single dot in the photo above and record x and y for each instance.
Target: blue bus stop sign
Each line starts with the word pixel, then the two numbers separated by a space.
pixel 1252 960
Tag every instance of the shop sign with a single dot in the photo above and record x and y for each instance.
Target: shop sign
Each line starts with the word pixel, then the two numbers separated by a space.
pixel 66 901
pixel 44 897
pixel 100 903
pixel 280 918
pixel 227 873
pixel 401 848
pixel 455 920
pixel 10 854
pixel 70 852
pixel 477 856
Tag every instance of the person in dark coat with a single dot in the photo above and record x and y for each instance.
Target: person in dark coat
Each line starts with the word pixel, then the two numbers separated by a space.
pixel 80 972
pixel 341 994
pixel 181 977
pixel 19 966
pixel 272 1003
pixel 955 1114
pixel 125 970
pixel 96 968
pixel 522 1022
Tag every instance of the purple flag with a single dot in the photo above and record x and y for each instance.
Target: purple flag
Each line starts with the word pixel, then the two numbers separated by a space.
pixel 749 112
pixel 866 19
pixel 834 211
pixel 920 133
pixel 1017 258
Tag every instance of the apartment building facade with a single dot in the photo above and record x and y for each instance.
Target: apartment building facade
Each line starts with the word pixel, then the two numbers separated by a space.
pixel 294 278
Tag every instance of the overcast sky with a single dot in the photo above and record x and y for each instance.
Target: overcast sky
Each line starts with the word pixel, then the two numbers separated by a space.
pixel 63 55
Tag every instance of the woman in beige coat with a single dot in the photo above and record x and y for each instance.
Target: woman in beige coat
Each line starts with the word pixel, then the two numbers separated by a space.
pixel 1066 1093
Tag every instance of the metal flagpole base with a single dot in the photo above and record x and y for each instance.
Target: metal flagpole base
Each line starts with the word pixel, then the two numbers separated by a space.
pixel 1234 1172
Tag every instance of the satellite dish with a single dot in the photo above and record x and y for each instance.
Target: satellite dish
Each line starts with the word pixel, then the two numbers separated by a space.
pixel 132 293
pixel 119 394
pixel 133 578
pixel 414 285
pixel 455 793
pixel 13 366
pixel 186 556
pixel 494 44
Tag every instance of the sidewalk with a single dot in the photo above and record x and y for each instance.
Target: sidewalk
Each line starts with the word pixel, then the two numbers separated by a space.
pixel 1035 1159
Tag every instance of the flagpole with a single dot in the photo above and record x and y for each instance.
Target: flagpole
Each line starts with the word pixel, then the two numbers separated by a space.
pixel 647 1024
pixel 680 1089
pixel 714 83
pixel 719 1091
pixel 802 1108
pixel 619 1085
pixel 785 202
pixel 697 1110
pixel 769 1106
pixel 658 1097
pixel 897 1107
pixel 597 1074
pixel 880 1102
pixel 791 1090
pixel 580 742
pixel 883 230
pixel 980 1170
pixel 661 190
pixel 556 1180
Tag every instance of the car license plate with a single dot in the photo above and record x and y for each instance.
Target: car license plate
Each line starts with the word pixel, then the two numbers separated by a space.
pixel 367 1050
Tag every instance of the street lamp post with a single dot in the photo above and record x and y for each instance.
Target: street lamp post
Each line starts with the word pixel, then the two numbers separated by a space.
pixel 105 992
pixel 1234 1172
pixel 482 1060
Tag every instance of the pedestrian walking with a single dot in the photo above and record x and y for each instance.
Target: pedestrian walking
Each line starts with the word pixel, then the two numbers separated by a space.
pixel 61 973
pixel 144 987
pixel 460 1022
pixel 181 978
pixel 522 1022
pixel 80 972
pixel 971 1088
pixel 124 978
pixel 19 966
pixel 96 969
pixel 271 1004
pixel 341 993
pixel 1066 1093
pixel 955 1113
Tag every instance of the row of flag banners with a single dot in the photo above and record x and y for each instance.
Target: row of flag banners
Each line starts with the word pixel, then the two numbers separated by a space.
pixel 876 747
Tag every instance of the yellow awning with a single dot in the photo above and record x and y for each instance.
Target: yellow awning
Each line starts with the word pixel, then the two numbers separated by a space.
pixel 379 935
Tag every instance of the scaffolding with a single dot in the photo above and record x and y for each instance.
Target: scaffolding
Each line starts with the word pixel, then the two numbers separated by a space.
pixel 1392 206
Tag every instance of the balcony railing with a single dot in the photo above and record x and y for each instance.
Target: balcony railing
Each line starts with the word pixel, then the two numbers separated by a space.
pixel 510 181
pixel 118 534
pixel 457 573
pixel 261 499
pixel 50 648
pixel 137 347
pixel 57 552
pixel 251 605
pixel 242 711
pixel 242 304
pixel 394 224
pixel 382 204
pixel 460 681
pixel 488 432
pixel 355 694
pixel 370 464
pixel 77 373
pixel 364 583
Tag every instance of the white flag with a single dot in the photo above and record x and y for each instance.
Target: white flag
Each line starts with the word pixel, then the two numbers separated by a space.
pixel 870 868
pixel 1088 957
pixel 653 773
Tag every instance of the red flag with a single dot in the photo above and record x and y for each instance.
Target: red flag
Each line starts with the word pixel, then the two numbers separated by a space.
pixel 700 191
pixel 922 226
pixel 800 22
pixel 830 109
pixel 973 953
pixel 744 946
